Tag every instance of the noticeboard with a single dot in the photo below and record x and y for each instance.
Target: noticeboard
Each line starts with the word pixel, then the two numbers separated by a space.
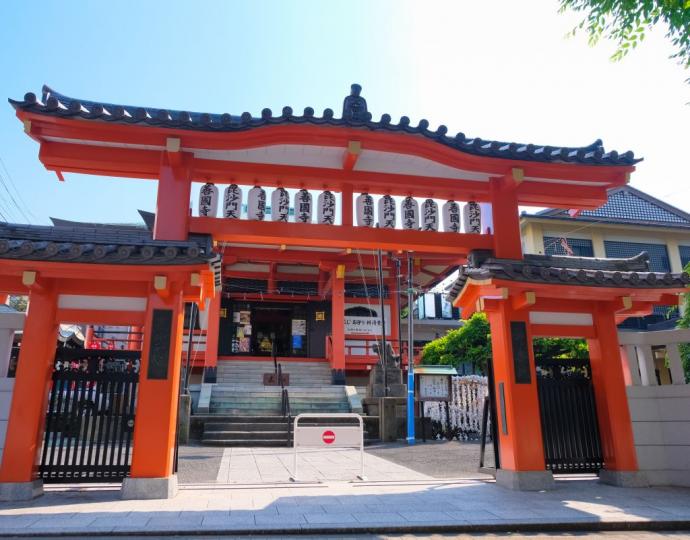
pixel 434 388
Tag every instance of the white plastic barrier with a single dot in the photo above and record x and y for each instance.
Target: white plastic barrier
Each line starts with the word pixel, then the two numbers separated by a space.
pixel 328 436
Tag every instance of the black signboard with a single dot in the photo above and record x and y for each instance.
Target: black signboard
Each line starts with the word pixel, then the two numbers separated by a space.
pixel 159 350
pixel 518 333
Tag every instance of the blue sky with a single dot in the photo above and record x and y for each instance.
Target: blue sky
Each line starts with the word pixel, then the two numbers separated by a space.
pixel 500 70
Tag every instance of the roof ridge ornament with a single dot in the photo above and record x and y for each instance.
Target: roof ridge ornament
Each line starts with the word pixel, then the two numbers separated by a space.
pixel 355 106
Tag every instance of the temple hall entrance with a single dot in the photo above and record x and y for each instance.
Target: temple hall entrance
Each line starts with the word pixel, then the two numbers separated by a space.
pixel 272 328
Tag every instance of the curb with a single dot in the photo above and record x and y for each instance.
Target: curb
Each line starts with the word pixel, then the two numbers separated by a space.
pixel 531 527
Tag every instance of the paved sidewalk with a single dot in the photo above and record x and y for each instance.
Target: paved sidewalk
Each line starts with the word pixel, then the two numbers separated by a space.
pixel 260 465
pixel 425 506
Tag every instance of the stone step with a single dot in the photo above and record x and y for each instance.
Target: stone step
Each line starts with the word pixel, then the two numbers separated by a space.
pixel 269 391
pixel 245 398
pixel 247 435
pixel 245 426
pixel 270 443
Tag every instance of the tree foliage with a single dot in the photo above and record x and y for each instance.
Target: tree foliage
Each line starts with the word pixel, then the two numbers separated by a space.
pixel 626 21
pixel 684 322
pixel 469 343
pixel 18 302
pixel 472 343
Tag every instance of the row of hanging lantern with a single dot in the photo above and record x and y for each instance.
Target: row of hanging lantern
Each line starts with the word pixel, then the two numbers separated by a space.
pixel 412 219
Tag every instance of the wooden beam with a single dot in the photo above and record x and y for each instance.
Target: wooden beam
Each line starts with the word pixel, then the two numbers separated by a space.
pixel 315 235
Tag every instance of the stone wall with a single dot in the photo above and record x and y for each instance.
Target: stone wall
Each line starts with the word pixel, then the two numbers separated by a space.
pixel 661 426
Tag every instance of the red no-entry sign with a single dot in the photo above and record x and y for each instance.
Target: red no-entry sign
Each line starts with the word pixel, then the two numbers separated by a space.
pixel 328 437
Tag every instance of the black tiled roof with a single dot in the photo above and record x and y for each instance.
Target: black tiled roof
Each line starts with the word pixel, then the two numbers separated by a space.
pixel 354 115
pixel 627 205
pixel 102 244
pixel 578 271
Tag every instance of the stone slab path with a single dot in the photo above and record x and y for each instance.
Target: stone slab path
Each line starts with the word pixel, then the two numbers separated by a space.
pixel 261 465
pixel 412 506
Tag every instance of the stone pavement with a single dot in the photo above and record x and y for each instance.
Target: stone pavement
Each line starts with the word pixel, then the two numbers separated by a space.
pixel 412 506
pixel 260 465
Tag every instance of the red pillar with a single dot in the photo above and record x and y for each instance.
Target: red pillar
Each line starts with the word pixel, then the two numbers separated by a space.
pixel 172 203
pixel 517 405
pixel 338 322
pixel 156 415
pixel 506 221
pixel 347 194
pixel 88 338
pixel 615 425
pixel 134 338
pixel 31 386
pixel 212 329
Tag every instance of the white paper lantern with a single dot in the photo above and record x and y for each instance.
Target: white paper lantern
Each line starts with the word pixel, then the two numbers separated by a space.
pixel 387 212
pixel 472 218
pixel 280 205
pixel 451 217
pixel 232 202
pixel 326 213
pixel 208 200
pixel 365 210
pixel 410 214
pixel 430 215
pixel 256 204
pixel 303 206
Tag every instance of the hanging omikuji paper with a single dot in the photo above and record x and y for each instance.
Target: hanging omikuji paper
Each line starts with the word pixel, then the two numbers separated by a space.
pixel 365 210
pixel 326 213
pixel 303 206
pixel 256 204
pixel 472 217
pixel 280 205
pixel 232 202
pixel 410 214
pixel 208 200
pixel 430 215
pixel 451 217
pixel 387 212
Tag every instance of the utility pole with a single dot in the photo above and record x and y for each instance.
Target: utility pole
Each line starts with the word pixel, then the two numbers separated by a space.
pixel 410 352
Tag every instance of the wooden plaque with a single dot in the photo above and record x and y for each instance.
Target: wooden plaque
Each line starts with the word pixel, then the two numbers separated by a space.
pixel 159 348
pixel 521 366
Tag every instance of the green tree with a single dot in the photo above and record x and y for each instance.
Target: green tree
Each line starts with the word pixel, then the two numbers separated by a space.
pixel 18 302
pixel 472 343
pixel 626 21
pixel 684 322
pixel 469 343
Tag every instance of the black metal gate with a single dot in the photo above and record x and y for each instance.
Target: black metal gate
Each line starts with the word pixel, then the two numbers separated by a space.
pixel 90 416
pixel 568 416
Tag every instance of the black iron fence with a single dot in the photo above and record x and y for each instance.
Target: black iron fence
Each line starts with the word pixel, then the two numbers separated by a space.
pixel 90 416
pixel 569 423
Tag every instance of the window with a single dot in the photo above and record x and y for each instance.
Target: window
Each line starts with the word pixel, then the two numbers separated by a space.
pixel 658 254
pixel 684 255
pixel 581 247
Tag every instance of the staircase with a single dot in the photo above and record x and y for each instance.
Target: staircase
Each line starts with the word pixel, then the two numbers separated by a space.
pixel 249 413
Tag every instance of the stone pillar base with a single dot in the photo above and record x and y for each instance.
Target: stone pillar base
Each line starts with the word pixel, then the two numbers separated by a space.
pixel 623 478
pixel 20 491
pixel 149 488
pixel 524 480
